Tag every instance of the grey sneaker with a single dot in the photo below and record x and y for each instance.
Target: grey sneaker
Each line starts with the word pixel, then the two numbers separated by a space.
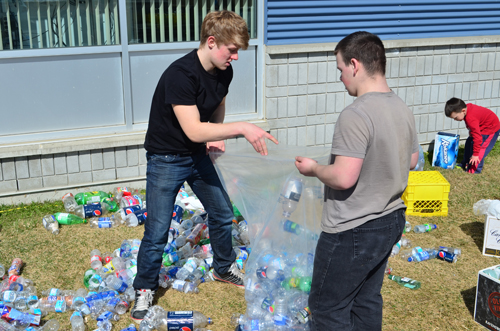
pixel 143 301
pixel 232 276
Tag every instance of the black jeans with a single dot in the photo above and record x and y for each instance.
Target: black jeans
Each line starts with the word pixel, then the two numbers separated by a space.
pixel 348 274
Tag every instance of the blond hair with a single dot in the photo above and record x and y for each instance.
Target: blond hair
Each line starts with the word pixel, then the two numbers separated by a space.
pixel 226 27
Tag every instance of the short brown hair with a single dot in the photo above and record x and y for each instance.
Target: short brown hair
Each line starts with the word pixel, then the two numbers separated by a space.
pixel 365 47
pixel 454 105
pixel 226 27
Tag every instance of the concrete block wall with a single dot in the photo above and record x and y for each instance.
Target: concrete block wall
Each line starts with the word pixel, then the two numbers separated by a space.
pixel 70 171
pixel 304 96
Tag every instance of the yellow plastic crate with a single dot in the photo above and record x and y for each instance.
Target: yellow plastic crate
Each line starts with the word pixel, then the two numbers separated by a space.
pixel 426 194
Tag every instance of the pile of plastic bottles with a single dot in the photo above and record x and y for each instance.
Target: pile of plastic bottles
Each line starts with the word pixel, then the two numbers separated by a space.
pixel 100 209
pixel 279 273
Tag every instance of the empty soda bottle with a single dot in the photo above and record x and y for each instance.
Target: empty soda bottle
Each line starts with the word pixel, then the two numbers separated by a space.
pixel 424 228
pixel 67 219
pixel 69 202
pixel 15 267
pixel 189 319
pixel 89 210
pixel 90 197
pixel 405 281
pixel 456 251
pixel 447 256
pixel 50 224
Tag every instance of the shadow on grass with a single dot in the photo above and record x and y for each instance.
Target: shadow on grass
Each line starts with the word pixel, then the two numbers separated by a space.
pixel 476 231
pixel 469 297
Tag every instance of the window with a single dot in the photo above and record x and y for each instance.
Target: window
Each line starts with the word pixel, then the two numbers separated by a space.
pixel 153 21
pixel 34 24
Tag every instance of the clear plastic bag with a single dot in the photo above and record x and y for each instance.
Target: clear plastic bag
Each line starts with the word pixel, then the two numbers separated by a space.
pixel 487 207
pixel 283 210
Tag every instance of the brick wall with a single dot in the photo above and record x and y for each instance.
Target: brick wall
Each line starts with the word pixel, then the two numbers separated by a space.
pixel 303 94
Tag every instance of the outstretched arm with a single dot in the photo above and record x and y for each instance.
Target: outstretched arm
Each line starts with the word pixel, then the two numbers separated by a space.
pixel 197 131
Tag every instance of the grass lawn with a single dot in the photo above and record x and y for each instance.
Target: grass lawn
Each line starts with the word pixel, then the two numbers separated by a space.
pixel 444 302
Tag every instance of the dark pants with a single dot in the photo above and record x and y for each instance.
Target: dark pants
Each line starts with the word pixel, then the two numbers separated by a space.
pixel 165 175
pixel 486 147
pixel 348 273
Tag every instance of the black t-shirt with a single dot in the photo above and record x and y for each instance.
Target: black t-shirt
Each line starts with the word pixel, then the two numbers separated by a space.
pixel 185 82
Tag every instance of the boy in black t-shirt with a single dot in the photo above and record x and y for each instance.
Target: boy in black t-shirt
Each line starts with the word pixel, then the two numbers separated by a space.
pixel 185 123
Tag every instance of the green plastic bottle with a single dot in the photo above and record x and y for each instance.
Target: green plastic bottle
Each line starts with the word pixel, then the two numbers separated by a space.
pixel 88 274
pixel 66 219
pixel 112 205
pixel 406 282
pixel 90 197
pixel 237 213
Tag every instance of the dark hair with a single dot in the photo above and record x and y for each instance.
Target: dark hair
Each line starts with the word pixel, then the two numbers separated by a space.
pixel 454 105
pixel 365 47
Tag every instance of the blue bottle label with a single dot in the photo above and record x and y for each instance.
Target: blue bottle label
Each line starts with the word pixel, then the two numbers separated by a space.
pixel 131 209
pixel 141 215
pixel 180 321
pixel 177 213
pixel 104 222
pixel 60 306
pixel 291 227
pixel 92 210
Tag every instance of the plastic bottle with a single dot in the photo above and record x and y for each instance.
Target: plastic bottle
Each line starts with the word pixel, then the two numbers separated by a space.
pixel 447 256
pixel 119 192
pixel 115 283
pixel 419 254
pixel 138 217
pixel 290 195
pixel 281 318
pixel 130 200
pixel 95 259
pixel 406 282
pixel 67 219
pixel 77 323
pixel 150 320
pixel 50 224
pixel 89 210
pixel 90 197
pixel 110 205
pixel 102 222
pixel 424 228
pixel 15 267
pixel 191 319
pixel 407 227
pixel 456 251
pixel 295 228
pixel 2 270
pixel 186 287
pixel 69 202
pixel 131 327
pixel 196 235
pixel 403 242
pixel 190 265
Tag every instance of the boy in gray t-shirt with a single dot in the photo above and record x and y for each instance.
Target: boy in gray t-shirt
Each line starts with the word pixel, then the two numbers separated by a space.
pixel 374 147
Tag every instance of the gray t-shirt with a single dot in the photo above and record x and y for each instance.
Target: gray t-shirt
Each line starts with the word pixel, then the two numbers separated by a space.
pixel 380 129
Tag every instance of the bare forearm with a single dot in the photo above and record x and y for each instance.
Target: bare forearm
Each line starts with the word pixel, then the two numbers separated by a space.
pixel 205 132
pixel 331 177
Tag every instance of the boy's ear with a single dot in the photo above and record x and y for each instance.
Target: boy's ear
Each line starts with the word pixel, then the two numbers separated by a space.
pixel 464 110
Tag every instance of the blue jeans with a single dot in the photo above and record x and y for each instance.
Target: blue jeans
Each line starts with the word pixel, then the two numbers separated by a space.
pixel 165 175
pixel 486 147
pixel 348 273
